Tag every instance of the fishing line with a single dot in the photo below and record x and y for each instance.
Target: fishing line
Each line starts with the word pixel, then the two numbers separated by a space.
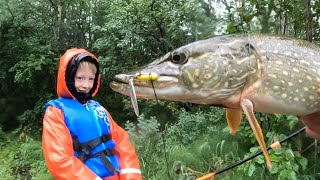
pixel 152 77
pixel 165 152
pixel 154 91
pixel 272 146
pixel 147 77
pixel 163 133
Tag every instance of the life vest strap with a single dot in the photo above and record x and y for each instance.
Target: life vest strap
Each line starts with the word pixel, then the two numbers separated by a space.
pixel 108 152
pixel 105 161
pixel 76 144
pixel 88 145
pixel 91 144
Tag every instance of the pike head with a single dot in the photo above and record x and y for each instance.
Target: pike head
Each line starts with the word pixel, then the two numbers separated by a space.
pixel 211 72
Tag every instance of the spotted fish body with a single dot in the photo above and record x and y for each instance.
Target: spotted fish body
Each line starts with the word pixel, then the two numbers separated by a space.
pixel 272 74
pixel 278 74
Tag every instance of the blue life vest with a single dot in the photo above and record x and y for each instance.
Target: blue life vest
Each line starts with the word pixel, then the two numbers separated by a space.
pixel 90 130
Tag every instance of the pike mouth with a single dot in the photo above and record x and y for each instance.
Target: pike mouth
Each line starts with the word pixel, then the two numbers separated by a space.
pixel 123 80
pixel 162 79
pixel 120 82
pixel 166 87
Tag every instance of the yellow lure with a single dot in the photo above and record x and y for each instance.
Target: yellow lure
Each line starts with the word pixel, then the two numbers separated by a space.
pixel 147 77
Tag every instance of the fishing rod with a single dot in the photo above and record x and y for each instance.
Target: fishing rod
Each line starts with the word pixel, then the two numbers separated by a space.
pixel 272 146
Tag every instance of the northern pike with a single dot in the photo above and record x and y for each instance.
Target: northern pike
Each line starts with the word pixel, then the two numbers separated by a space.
pixel 246 72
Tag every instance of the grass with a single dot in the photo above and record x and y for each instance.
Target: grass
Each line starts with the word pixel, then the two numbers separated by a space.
pixel 22 159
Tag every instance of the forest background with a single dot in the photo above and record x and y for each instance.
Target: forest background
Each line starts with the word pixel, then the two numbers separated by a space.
pixel 173 140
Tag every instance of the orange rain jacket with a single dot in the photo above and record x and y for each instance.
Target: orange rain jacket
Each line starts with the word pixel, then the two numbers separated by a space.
pixel 57 142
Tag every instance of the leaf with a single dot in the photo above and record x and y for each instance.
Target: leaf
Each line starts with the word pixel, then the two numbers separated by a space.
pixel 274 169
pixel 231 28
pixel 278 151
pixel 249 18
pixel 292 121
pixel 254 149
pixel 288 174
pixel 222 145
pixel 287 164
pixel 251 169
pixel 275 158
pixel 260 160
pixel 303 162
pixel 293 175
pixel 226 129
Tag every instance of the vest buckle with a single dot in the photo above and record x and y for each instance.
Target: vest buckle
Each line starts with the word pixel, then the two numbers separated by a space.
pixel 88 149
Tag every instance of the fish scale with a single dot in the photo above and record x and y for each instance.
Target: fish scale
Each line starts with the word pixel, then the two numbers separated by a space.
pixel 262 73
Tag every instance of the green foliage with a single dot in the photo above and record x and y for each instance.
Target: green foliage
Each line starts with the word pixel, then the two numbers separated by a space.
pixel 276 17
pixel 146 137
pixel 3 138
pixel 23 160
pixel 287 164
pixel 194 142
pixel 272 125
pixel 191 125
pixel 24 164
pixel 26 65
pixel 146 129
pixel 135 33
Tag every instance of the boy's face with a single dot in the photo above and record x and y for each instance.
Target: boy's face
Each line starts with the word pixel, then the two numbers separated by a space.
pixel 84 78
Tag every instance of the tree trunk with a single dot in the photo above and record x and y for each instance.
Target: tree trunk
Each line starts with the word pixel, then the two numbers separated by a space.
pixel 309 20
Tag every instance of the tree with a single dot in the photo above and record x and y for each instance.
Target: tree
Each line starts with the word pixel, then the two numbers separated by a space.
pixel 309 20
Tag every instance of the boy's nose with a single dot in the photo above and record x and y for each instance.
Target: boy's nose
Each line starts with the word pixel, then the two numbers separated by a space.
pixel 85 84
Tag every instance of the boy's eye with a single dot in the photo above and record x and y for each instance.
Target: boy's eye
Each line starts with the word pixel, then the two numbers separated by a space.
pixel 83 78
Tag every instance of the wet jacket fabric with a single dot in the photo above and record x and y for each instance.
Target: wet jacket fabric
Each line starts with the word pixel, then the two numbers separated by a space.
pixel 58 145
pixel 90 130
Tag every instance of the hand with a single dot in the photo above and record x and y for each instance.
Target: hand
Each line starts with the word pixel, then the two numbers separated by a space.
pixel 312 122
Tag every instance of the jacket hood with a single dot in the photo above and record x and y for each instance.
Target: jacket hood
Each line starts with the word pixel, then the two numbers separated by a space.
pixel 62 88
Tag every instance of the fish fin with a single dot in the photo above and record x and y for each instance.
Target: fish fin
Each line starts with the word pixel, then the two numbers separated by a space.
pixel 233 117
pixel 247 107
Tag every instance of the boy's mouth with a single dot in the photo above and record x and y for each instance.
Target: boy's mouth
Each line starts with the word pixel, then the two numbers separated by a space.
pixel 81 91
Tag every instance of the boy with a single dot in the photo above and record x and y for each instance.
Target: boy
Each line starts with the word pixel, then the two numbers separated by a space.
pixel 80 139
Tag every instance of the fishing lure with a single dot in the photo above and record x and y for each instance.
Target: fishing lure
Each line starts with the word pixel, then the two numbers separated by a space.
pixel 133 97
pixel 141 77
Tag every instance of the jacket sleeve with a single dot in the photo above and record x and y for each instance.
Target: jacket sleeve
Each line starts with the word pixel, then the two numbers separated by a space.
pixel 129 162
pixel 58 149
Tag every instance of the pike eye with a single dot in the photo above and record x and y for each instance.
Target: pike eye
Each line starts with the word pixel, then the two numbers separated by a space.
pixel 179 58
